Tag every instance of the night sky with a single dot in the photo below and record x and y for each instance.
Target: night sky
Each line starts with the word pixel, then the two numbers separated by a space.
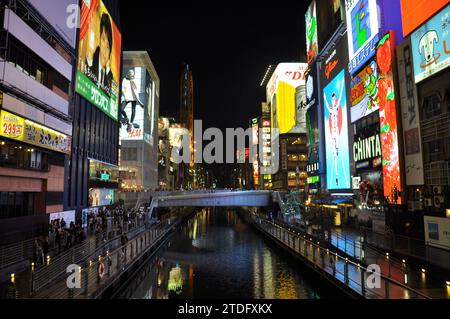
pixel 228 46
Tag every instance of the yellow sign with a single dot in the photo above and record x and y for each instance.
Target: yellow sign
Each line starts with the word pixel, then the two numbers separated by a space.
pixel 17 128
pixel 12 126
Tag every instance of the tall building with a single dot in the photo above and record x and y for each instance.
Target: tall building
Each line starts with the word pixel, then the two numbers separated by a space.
pixel 36 58
pixel 188 177
pixel 93 171
pixel 139 123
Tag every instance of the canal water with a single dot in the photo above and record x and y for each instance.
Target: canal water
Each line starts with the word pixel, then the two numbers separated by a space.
pixel 216 255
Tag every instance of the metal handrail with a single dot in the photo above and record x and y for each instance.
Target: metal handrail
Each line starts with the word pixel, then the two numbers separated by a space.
pixel 389 280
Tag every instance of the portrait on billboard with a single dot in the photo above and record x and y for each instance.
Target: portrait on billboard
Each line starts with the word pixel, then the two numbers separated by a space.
pixel 99 55
pixel 131 104
pixel 336 133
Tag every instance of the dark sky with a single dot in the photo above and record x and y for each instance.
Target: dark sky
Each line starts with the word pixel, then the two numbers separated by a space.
pixel 228 46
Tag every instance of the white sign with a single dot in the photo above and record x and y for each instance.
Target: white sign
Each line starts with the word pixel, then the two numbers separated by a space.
pixel 292 74
pixel 68 216
pixel 437 232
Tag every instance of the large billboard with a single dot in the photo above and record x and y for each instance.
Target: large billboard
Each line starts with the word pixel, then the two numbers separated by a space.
pixel 330 15
pixel 312 46
pixel 364 91
pixel 392 178
pixel 99 58
pixel 62 15
pixel 416 12
pixel 362 31
pixel 281 91
pixel 17 128
pixel 336 133
pixel 410 115
pixel 312 125
pixel 431 46
pixel 137 107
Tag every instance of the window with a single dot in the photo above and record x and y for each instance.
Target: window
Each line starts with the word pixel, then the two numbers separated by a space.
pixel 16 204
pixel 23 157
pixel 436 150
pixel 432 106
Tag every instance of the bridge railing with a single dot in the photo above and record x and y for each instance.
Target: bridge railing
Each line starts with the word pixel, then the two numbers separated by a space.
pixel 353 275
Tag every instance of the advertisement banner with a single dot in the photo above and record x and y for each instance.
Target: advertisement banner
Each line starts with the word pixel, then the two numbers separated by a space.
pixel 68 216
pixel 336 134
pixel 281 91
pixel 101 197
pixel 431 46
pixel 410 115
pixel 312 48
pixel 416 12
pixel 99 57
pixel 20 129
pixel 312 123
pixel 392 178
pixel 362 31
pixel 136 106
pixel 437 232
pixel 364 92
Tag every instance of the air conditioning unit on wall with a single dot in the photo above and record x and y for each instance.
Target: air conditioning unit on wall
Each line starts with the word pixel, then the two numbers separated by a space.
pixel 437 190
pixel 438 201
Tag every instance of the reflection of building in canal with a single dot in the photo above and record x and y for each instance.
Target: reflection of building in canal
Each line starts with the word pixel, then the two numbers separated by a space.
pixel 270 283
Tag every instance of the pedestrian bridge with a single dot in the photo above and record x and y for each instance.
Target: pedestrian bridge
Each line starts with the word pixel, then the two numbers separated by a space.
pixel 214 199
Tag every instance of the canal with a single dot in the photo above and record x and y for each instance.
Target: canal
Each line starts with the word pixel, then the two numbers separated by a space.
pixel 216 255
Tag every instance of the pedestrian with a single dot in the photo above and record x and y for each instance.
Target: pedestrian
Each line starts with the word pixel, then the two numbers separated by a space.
pixel 63 223
pixel 58 239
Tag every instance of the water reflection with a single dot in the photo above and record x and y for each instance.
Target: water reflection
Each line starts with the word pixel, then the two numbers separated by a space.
pixel 216 255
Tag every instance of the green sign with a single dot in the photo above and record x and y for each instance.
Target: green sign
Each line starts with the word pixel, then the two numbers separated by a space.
pixel 313 179
pixel 104 177
pixel 93 94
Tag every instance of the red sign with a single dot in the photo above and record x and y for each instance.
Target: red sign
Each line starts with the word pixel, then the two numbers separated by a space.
pixel 416 12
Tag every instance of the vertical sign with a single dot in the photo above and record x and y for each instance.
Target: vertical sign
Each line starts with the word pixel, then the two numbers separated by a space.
pixel 410 115
pixel 311 32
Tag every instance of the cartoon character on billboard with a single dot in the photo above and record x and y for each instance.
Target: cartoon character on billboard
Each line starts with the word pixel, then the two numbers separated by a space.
pixel 335 122
pixel 427 48
pixel 371 86
pixel 311 32
pixel 130 94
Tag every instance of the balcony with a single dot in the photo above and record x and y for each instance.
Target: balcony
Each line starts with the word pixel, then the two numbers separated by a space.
pixel 436 128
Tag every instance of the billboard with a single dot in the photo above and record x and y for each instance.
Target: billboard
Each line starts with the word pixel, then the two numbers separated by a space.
pixel 101 197
pixel 312 124
pixel 437 232
pixel 17 128
pixel 99 58
pixel 362 31
pixel 336 133
pixel 414 169
pixel 392 180
pixel 57 13
pixel 364 89
pixel 281 91
pixel 176 136
pixel 312 46
pixel 416 12
pixel 136 109
pixel 329 16
pixel 431 46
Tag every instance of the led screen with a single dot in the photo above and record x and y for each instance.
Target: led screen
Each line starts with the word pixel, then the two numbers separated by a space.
pixel 364 89
pixel 99 57
pixel 311 32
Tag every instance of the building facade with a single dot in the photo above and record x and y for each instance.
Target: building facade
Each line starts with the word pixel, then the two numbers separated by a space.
pixel 36 59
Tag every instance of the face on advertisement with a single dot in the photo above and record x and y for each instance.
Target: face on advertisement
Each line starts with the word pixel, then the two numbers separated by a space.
pixel 106 37
pixel 336 131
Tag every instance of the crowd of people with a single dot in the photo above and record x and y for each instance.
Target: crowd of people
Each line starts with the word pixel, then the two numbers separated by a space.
pixel 62 236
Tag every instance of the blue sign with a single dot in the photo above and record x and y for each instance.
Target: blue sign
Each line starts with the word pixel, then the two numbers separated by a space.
pixel 336 133
pixel 431 46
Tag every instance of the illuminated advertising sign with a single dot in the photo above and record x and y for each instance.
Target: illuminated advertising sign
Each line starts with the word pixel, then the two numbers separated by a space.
pixel 101 197
pixel 312 120
pixel 137 108
pixel 255 133
pixel 431 46
pixel 336 133
pixel 362 31
pixel 410 115
pixel 312 48
pixel 336 60
pixel 99 57
pixel 392 181
pixel 368 148
pixel 364 90
pixel 20 129
pixel 281 91
pixel 176 136
pixel 416 12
